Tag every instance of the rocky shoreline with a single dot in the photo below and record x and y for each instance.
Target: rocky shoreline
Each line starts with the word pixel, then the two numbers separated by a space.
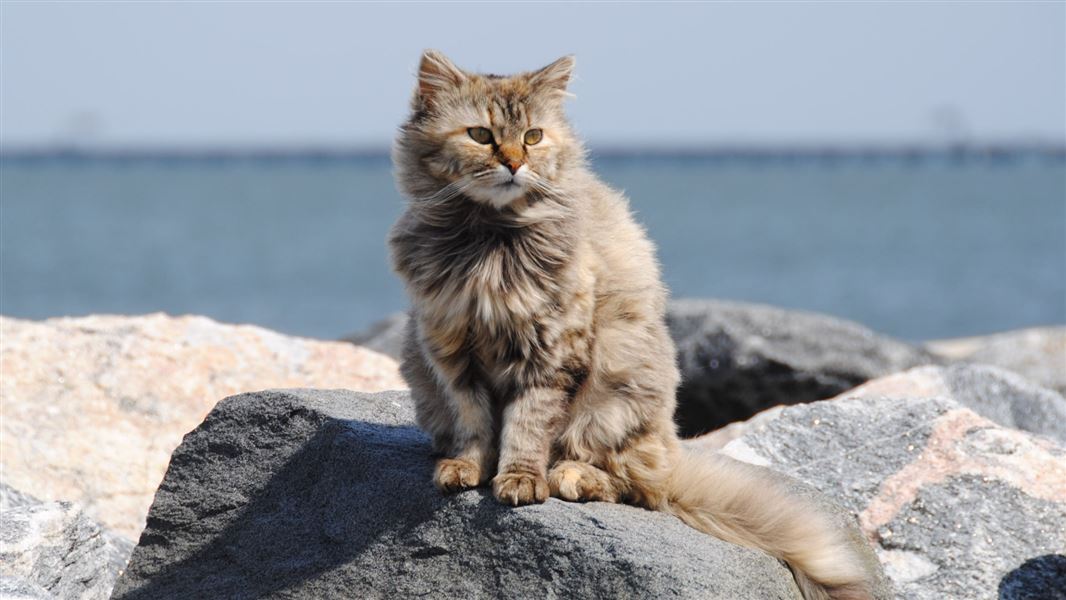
pixel 950 458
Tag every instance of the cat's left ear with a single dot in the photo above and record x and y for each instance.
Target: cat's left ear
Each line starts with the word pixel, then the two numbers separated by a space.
pixel 555 76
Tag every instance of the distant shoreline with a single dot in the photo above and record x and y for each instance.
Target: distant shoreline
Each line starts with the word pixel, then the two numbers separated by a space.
pixel 783 154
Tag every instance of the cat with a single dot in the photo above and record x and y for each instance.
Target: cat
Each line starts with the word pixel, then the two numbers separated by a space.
pixel 537 351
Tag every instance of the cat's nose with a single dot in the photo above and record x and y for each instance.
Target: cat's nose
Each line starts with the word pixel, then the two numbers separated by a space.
pixel 510 156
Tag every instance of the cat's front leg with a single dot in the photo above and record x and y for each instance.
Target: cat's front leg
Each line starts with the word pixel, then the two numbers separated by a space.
pixel 529 424
pixel 473 455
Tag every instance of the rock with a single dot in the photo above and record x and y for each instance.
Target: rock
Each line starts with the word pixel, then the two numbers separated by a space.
pixel 958 506
pixel 53 550
pixel 719 438
pixel 316 494
pixel 1038 354
pixel 737 359
pixel 12 498
pixel 93 406
pixel 385 336
pixel 13 588
pixel 998 395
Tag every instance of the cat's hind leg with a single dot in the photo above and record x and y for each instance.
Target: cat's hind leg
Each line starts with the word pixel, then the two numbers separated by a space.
pixel 457 474
pixel 579 481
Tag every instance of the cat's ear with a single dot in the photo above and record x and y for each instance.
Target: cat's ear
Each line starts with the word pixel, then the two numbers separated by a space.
pixel 554 76
pixel 436 73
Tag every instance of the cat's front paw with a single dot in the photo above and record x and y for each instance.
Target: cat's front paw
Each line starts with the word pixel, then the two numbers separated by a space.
pixel 456 474
pixel 517 488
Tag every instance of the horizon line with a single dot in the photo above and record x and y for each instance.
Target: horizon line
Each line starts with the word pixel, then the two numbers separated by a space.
pixel 611 147
pixel 343 152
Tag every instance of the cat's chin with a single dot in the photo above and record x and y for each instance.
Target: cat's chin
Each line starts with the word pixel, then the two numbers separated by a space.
pixel 498 196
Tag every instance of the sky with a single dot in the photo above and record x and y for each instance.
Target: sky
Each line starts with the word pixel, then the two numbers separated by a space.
pixel 255 73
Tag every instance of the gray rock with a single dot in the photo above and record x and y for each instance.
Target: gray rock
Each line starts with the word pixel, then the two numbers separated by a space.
pixel 737 359
pixel 958 506
pixel 52 549
pixel 14 588
pixel 996 394
pixel 1007 398
pixel 385 336
pixel 317 494
pixel 1038 354
pixel 12 498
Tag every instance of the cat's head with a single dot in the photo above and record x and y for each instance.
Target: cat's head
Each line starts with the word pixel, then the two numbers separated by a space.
pixel 492 139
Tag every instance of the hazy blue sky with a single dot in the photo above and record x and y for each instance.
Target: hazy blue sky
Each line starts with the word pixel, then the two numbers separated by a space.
pixel 341 73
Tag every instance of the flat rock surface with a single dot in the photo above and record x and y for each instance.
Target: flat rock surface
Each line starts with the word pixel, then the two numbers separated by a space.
pixel 958 506
pixel 737 359
pixel 53 550
pixel 1038 354
pixel 93 406
pixel 316 494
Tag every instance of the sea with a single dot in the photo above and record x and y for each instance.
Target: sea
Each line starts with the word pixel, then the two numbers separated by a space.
pixel 915 246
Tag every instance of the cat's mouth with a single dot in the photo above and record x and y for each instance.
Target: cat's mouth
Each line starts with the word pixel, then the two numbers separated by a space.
pixel 499 189
pixel 499 193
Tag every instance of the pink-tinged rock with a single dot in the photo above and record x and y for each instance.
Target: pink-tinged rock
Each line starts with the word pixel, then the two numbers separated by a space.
pixel 957 505
pixel 93 406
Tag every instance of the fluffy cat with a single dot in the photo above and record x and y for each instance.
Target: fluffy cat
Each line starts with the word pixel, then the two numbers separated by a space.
pixel 537 352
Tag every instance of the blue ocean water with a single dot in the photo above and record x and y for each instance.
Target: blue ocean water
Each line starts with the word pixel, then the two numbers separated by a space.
pixel 918 251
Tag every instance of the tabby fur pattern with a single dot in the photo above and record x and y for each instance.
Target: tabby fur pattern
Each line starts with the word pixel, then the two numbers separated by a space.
pixel 537 351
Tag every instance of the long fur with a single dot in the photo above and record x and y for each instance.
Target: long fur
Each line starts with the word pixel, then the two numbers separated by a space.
pixel 739 503
pixel 537 352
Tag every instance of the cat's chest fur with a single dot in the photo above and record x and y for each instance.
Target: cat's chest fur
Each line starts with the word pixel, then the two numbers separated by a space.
pixel 491 291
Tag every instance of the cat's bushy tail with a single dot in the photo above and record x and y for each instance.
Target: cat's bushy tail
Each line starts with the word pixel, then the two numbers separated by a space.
pixel 739 503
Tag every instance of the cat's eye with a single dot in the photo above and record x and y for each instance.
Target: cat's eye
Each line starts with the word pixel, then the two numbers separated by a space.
pixel 480 135
pixel 533 136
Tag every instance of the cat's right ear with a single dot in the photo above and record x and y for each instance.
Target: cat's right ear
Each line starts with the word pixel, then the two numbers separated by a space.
pixel 555 76
pixel 436 73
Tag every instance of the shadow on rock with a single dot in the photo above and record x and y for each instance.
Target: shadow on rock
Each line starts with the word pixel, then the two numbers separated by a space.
pixel 1040 578
pixel 317 512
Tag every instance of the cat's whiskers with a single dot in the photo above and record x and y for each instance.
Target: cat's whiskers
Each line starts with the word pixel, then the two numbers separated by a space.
pixel 447 191
pixel 454 188
pixel 548 191
pixel 544 202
